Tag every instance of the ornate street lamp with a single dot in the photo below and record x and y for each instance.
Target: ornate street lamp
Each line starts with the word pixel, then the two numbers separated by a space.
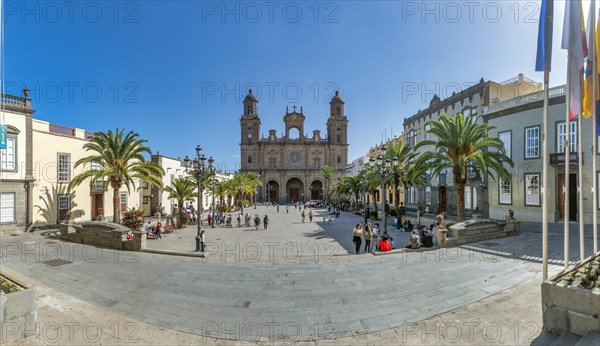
pixel 199 170
pixel 384 167
pixel 254 196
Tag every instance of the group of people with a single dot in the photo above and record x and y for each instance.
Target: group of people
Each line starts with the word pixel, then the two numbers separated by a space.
pixel 310 215
pixel 374 239
pixel 422 237
pixel 154 231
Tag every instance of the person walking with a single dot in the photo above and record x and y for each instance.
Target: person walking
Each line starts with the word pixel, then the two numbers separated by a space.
pixel 303 216
pixel 356 237
pixel 278 208
pixel 158 230
pixel 367 234
pixel 287 209
pixel 265 221
pixel 310 216
pixel 256 221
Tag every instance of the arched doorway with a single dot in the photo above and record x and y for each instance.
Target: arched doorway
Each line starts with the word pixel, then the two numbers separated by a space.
pixel 294 190
pixel 316 190
pixel 272 192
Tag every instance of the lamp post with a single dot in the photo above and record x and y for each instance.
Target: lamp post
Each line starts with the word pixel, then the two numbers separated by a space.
pixel 198 169
pixel 212 218
pixel 254 196
pixel 269 193
pixel 383 166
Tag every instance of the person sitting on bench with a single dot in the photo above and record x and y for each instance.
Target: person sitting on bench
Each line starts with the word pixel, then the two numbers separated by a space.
pixel 384 244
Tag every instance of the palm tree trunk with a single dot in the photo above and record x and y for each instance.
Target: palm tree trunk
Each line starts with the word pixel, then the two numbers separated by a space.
pixel 374 198
pixel 116 206
pixel 460 202
pixel 180 213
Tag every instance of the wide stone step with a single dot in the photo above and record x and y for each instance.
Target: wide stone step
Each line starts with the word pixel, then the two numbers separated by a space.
pixel 591 338
pixel 544 339
pixel 566 339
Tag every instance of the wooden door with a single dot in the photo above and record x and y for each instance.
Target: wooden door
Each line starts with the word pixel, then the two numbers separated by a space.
pixel 294 195
pixel 97 204
pixel 561 196
pixel 572 197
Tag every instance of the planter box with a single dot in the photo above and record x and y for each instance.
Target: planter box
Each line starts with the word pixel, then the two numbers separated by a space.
pixel 570 309
pixel 17 316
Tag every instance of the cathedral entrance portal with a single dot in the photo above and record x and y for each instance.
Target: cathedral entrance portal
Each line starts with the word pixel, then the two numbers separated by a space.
pixel 273 191
pixel 316 190
pixel 294 188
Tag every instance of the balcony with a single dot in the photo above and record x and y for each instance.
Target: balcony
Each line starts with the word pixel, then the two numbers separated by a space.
pixel 62 130
pixel 559 158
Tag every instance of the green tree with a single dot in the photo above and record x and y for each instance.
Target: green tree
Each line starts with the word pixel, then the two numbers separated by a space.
pixel 406 173
pixel 463 144
pixel 327 172
pixel 351 185
pixel 181 189
pixel 119 160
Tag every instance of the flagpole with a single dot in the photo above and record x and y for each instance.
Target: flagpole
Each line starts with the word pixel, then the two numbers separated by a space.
pixel 545 176
pixel 580 189
pixel 595 136
pixel 567 150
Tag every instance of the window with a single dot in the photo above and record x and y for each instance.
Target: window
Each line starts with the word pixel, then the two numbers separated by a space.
pixel 339 159
pixel 64 168
pixel 64 204
pixel 505 193
pixel 468 204
pixel 123 199
pixel 427 135
pixel 428 195
pixel 561 134
pixel 474 198
pixel 7 207
pixel 532 142
pixel 249 158
pixel 412 194
pixel 338 111
pixel 9 155
pixel 532 189
pixel 506 139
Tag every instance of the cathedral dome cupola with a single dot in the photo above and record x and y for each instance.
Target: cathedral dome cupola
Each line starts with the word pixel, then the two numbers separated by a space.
pixel 336 105
pixel 250 105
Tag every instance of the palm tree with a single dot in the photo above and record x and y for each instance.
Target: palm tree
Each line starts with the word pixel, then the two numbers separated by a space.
pixel 327 172
pixel 462 145
pixel 205 182
pixel 374 180
pixel 181 189
pixel 406 173
pixel 221 189
pixel 244 184
pixel 352 185
pixel 120 161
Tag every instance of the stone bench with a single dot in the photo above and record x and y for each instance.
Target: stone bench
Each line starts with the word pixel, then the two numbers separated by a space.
pixel 473 231
pixel 105 234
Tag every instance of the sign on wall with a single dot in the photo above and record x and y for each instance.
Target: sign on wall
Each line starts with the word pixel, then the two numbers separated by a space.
pixel 3 136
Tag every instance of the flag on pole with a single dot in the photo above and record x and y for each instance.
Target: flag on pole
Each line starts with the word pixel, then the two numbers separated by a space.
pixel 588 86
pixel 544 46
pixel 574 41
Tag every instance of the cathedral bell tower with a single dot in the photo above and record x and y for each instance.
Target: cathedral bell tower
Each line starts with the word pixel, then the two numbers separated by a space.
pixel 337 123
pixel 250 130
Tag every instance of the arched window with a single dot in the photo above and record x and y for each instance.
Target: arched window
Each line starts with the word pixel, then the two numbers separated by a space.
pixel 294 133
pixel 249 110
pixel 338 111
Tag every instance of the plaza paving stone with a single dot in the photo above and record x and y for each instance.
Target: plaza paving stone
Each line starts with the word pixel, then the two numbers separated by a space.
pixel 356 298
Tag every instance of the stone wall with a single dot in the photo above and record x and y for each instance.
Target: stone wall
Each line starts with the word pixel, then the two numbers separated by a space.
pixel 570 309
pixel 17 316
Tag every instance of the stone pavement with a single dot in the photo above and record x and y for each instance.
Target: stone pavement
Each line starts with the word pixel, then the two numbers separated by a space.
pixel 286 239
pixel 355 299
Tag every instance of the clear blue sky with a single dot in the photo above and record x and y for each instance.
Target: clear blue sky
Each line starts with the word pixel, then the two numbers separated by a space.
pixel 175 71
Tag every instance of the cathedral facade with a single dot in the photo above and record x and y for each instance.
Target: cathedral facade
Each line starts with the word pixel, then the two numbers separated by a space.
pixel 290 165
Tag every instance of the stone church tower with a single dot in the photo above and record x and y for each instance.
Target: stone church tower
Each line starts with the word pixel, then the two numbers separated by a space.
pixel 290 165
